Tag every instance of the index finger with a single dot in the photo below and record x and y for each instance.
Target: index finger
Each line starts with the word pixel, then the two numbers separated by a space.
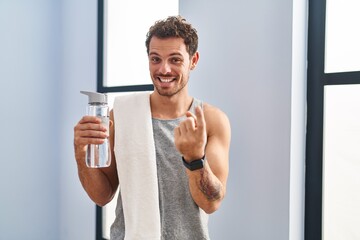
pixel 200 117
pixel 90 119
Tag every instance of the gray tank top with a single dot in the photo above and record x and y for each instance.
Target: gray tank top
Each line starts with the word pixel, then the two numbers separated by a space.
pixel 181 218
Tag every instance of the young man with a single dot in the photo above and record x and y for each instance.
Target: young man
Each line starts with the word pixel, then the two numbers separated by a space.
pixel 191 139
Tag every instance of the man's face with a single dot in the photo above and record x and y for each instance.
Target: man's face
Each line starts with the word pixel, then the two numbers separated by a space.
pixel 169 65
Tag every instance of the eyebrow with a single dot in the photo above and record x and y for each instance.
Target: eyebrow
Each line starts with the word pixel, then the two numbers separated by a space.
pixel 171 55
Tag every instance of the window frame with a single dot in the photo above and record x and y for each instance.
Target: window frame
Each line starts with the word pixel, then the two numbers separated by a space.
pixel 317 79
pixel 100 60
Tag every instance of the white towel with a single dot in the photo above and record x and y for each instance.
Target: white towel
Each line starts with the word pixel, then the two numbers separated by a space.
pixel 136 166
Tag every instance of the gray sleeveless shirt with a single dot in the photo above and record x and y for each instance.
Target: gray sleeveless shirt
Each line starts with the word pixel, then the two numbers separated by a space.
pixel 181 218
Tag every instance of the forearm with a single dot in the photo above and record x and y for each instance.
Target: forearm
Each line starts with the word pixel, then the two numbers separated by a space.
pixel 95 182
pixel 196 137
pixel 99 183
pixel 206 189
pixel 96 185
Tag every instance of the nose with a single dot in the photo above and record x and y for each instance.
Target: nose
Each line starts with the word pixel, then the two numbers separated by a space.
pixel 165 68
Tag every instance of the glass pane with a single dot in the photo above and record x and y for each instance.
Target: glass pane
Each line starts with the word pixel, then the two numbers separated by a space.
pixel 341 179
pixel 126 24
pixel 342 51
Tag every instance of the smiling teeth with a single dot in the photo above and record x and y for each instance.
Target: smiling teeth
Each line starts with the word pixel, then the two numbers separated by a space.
pixel 165 80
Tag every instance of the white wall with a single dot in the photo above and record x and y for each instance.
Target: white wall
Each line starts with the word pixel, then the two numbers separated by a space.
pixel 79 19
pixel 30 45
pixel 48 54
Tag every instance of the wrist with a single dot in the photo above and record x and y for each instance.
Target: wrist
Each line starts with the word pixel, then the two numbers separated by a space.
pixel 194 164
pixel 192 157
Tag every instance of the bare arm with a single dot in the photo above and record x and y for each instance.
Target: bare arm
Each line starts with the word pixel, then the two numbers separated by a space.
pixel 99 183
pixel 206 134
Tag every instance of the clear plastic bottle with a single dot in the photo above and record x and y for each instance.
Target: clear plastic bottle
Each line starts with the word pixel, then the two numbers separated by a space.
pixel 98 156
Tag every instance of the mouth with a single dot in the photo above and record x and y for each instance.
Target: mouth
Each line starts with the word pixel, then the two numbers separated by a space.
pixel 166 79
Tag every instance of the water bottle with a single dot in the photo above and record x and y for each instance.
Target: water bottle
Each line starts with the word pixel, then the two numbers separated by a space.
pixel 98 156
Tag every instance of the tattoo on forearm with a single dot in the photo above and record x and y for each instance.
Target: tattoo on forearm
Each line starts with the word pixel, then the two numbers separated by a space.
pixel 211 190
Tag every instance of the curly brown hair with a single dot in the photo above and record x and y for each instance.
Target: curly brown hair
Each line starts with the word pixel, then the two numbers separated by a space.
pixel 174 26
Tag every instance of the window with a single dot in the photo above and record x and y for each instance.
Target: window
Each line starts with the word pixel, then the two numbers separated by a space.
pixel 342 48
pixel 332 121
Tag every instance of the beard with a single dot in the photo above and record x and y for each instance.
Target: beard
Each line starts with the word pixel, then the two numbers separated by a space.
pixel 177 88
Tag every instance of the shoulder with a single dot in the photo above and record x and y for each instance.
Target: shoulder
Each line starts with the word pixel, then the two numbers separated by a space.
pixel 211 112
pixel 216 120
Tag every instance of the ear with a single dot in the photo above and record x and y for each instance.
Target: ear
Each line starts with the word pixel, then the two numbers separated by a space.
pixel 194 60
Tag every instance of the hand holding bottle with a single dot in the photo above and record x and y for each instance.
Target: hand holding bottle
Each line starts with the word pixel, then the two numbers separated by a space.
pixel 92 132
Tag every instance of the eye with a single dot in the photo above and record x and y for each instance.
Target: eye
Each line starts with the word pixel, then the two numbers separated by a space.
pixel 176 60
pixel 154 59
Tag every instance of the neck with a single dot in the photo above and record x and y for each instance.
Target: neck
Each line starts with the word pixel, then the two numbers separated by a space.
pixel 169 107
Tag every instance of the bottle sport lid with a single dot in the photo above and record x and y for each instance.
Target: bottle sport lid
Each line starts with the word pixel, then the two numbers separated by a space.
pixel 95 97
